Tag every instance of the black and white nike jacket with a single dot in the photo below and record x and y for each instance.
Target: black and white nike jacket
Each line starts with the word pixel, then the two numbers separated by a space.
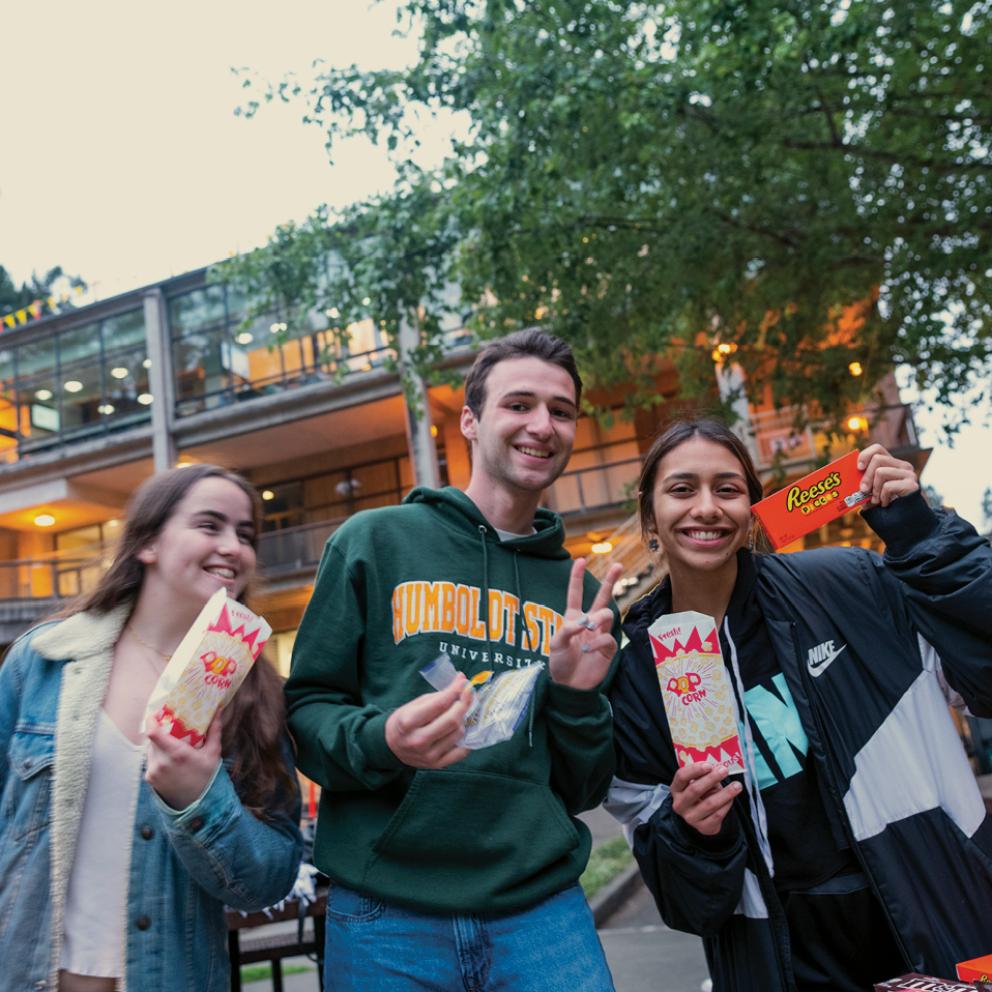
pixel 869 647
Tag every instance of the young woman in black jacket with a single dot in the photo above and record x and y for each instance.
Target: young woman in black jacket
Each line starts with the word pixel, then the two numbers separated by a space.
pixel 857 847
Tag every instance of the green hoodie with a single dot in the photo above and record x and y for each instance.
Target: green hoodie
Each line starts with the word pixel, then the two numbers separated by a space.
pixel 490 834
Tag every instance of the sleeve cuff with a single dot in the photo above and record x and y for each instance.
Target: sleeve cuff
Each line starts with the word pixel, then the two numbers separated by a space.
pixel 903 523
pixel 372 738
pixel 203 801
pixel 718 845
pixel 574 702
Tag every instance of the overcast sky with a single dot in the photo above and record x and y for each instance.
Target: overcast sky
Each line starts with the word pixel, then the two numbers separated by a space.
pixel 121 158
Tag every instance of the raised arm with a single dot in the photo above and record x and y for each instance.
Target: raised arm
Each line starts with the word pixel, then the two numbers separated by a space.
pixel 580 726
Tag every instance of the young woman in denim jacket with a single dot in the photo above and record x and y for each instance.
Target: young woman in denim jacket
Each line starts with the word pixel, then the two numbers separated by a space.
pixel 120 845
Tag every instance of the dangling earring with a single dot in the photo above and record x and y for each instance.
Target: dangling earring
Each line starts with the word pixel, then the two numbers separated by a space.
pixel 653 544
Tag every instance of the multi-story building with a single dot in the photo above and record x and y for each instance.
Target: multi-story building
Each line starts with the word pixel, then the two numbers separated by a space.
pixel 95 400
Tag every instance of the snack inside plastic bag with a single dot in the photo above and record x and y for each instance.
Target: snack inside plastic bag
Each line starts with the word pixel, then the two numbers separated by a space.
pixel 207 668
pixel 499 704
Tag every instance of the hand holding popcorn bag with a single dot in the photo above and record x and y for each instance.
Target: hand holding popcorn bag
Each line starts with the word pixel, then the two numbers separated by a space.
pixel 207 668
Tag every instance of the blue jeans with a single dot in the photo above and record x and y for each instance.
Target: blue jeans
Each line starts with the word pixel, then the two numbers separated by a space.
pixel 376 947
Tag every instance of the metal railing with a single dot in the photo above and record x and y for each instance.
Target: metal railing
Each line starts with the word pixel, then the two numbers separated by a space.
pixel 777 443
pixel 595 487
pixel 290 550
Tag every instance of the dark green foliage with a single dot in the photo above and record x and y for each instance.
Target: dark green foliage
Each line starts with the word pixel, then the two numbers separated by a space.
pixel 639 174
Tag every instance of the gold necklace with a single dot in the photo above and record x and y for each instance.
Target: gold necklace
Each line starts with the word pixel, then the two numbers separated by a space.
pixel 151 647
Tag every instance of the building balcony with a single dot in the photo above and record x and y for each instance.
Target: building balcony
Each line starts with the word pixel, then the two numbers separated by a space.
pixel 780 448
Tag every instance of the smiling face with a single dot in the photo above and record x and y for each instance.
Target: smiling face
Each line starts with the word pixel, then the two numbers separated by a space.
pixel 206 543
pixel 701 507
pixel 523 438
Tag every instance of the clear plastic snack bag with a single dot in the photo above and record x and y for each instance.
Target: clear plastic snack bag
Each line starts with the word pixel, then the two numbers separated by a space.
pixel 499 704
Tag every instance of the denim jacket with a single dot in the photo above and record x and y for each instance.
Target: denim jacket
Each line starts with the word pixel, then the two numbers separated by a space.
pixel 183 865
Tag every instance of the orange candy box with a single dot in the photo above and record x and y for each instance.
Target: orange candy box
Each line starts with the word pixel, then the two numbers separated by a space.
pixel 812 501
pixel 976 970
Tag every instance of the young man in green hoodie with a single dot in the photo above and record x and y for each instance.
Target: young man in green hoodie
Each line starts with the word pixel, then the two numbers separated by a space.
pixel 455 868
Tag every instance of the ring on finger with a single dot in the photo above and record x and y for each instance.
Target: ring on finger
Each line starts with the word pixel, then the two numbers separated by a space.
pixel 584 648
pixel 584 621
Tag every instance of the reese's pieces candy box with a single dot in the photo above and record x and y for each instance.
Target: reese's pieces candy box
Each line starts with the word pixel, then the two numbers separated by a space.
pixel 813 501
pixel 976 970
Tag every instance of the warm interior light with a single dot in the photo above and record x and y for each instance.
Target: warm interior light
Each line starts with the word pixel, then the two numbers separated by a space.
pixel 601 548
pixel 44 520
pixel 73 386
pixel 245 337
pixel 184 463
pixel 119 372
pixel 113 523
pixel 857 424
pixel 433 430
pixel 855 368
pixel 147 363
pixel 105 408
pixel 268 494
pixel 145 399
pixel 43 394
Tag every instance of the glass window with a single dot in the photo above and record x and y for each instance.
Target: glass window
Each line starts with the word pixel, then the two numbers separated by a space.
pixel 79 344
pixel 36 356
pixel 82 397
pixel 125 384
pixel 125 329
pixel 8 408
pixel 38 402
pixel 201 364
pixel 196 310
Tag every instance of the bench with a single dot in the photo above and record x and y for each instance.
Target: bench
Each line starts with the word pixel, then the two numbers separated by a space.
pixel 302 940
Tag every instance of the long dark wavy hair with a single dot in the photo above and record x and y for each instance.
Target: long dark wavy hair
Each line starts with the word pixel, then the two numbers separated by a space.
pixel 254 720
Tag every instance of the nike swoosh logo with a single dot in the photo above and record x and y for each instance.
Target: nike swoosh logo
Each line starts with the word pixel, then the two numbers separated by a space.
pixel 817 668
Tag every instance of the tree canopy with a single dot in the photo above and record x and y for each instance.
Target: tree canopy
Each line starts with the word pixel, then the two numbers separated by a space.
pixel 808 183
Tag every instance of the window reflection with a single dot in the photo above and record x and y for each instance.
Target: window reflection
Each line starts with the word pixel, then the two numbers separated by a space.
pixel 220 357
pixel 81 380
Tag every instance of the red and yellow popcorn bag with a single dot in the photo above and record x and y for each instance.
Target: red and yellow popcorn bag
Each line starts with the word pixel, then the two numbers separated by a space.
pixel 695 688
pixel 207 668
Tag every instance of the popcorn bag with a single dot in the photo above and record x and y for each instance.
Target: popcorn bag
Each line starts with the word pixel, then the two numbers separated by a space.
pixel 207 668
pixel 696 690
pixel 815 500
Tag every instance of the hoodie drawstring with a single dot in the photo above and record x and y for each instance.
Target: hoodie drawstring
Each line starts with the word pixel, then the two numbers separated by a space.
pixel 523 624
pixel 758 814
pixel 530 647
pixel 485 590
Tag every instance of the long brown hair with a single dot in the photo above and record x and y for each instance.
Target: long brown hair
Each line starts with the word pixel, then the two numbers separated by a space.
pixel 254 720
pixel 676 433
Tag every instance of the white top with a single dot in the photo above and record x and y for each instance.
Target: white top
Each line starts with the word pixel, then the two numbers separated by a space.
pixel 95 905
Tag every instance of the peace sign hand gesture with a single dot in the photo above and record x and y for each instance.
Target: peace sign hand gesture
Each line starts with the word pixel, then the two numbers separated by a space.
pixel 583 647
